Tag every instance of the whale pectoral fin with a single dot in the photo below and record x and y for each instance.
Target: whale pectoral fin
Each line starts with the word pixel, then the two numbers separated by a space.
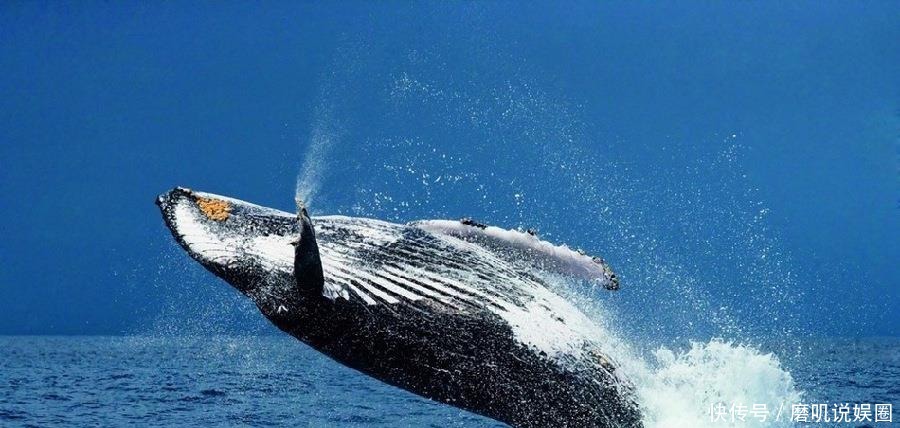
pixel 518 247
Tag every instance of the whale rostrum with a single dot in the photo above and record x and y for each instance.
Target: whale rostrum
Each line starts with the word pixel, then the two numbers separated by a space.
pixel 456 311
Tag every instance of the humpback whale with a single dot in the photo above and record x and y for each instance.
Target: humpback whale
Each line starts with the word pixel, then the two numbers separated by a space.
pixel 456 311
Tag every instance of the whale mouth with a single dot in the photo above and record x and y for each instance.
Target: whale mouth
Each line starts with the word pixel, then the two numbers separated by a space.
pixel 196 222
pixel 236 240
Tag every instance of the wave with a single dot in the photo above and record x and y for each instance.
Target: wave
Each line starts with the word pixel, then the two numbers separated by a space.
pixel 685 388
pixel 680 387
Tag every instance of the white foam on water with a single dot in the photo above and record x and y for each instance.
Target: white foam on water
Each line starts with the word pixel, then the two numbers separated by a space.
pixel 678 388
pixel 685 388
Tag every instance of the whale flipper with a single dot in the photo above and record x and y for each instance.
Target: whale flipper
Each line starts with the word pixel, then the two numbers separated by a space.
pixel 526 248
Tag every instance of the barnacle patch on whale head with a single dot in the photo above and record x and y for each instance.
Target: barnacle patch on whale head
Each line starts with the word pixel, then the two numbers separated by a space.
pixel 214 209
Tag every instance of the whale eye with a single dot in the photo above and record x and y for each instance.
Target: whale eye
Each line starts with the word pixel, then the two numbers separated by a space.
pixel 214 209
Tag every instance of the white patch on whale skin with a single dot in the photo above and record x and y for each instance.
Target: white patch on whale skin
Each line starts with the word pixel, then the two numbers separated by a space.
pixel 198 237
pixel 276 250
pixel 550 324
pixel 547 322
pixel 273 252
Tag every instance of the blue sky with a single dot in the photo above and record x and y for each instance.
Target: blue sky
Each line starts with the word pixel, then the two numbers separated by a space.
pixel 722 156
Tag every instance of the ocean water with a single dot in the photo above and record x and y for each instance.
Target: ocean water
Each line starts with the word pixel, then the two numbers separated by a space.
pixel 197 381
pixel 277 381
pixel 717 155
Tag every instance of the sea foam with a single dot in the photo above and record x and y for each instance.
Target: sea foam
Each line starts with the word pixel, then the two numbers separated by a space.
pixel 685 388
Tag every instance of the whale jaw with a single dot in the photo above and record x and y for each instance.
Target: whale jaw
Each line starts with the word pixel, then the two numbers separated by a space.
pixel 247 245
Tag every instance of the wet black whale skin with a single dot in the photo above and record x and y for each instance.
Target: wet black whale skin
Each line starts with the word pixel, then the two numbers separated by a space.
pixel 471 360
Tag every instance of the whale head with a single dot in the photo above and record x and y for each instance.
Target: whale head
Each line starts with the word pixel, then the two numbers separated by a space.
pixel 249 246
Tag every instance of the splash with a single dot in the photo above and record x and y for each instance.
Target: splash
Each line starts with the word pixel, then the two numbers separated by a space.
pixel 322 138
pixel 685 388
pixel 674 273
pixel 677 236
pixel 339 85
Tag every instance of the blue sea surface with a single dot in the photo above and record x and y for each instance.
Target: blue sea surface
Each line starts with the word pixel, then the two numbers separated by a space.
pixel 278 381
pixel 197 381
